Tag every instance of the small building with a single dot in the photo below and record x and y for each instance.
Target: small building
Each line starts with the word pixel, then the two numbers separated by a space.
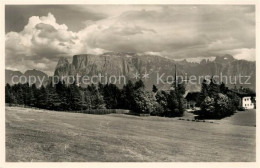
pixel 247 100
pixel 191 99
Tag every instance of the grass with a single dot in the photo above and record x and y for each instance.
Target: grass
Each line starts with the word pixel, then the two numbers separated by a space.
pixel 245 118
pixel 41 135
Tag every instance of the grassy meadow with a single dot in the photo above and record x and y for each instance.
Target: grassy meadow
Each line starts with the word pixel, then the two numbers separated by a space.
pixel 49 136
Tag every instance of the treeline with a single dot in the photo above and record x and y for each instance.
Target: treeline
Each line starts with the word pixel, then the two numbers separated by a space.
pixel 133 96
pixel 216 100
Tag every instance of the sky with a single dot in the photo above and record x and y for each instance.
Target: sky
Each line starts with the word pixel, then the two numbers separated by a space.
pixel 36 36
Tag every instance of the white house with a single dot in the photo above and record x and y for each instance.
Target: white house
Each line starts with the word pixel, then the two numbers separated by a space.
pixel 246 102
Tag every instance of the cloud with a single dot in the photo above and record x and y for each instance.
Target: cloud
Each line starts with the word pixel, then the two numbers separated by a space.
pixel 245 53
pixel 172 31
pixel 176 31
pixel 40 39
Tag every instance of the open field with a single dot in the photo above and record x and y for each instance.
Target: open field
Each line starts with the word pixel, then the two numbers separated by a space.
pixel 40 135
pixel 245 118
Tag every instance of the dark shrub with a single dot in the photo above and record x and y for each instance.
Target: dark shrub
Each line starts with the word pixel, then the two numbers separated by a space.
pixel 240 108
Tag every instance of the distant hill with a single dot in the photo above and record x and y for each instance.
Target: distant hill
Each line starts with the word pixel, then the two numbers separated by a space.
pixel 9 74
pixel 40 76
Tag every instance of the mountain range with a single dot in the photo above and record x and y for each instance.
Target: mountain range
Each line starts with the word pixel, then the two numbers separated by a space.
pixel 13 77
pixel 129 64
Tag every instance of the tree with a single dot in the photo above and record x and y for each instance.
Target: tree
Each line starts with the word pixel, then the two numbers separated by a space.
pixel 18 92
pixel 213 88
pixel 9 95
pixel 61 90
pixel 180 91
pixel 144 102
pixel 247 90
pixel 94 98
pixel 223 88
pixel 218 107
pixel 42 98
pixel 26 94
pixel 207 107
pixel 172 104
pixel 139 84
pixel 154 89
pixel 101 87
pixel 8 98
pixel 127 95
pixel 162 99
pixel 32 94
pixel 224 106
pixel 92 88
pixel 112 96
pixel 98 101
pixel 158 109
pixel 234 98
pixel 74 97
pixel 53 101
pixel 203 93
pixel 86 99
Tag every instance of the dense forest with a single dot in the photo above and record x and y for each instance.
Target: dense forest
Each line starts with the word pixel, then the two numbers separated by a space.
pixel 214 100
pixel 132 96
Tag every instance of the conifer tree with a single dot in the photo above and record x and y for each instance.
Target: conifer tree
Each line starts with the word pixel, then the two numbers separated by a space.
pixel 154 89
pixel 139 84
pixel 52 98
pixel 42 98
pixel 61 90
pixel 32 92
pixel 75 97
pixel 223 88
pixel 8 97
pixel 127 95
pixel 112 96
pixel 26 94
pixel 213 88
pixel 203 93
pixel 18 91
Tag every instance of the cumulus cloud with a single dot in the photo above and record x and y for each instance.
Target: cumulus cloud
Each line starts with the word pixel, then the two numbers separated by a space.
pixel 172 31
pixel 40 39
pixel 245 53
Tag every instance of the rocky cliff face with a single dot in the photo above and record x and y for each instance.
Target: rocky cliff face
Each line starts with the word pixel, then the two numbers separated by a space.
pixel 127 64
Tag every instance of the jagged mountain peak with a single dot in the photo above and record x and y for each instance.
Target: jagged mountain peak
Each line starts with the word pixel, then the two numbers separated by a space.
pixel 127 64
pixel 62 62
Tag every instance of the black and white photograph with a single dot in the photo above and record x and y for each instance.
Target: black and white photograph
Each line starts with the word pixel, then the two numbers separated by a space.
pixel 164 83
